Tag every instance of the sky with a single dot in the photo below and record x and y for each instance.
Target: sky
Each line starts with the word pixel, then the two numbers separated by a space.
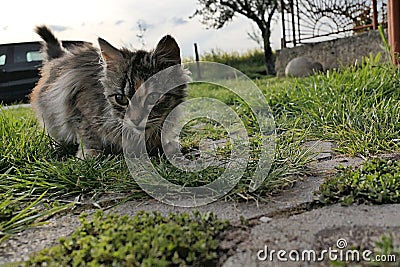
pixel 117 22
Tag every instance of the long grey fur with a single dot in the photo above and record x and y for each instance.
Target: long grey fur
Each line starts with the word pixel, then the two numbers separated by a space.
pixel 52 47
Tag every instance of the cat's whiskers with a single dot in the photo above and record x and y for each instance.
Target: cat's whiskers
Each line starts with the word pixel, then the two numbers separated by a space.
pixel 114 132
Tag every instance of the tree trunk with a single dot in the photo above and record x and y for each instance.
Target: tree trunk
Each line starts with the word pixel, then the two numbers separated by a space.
pixel 269 59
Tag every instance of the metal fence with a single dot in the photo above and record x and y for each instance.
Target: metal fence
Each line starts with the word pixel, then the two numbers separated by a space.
pixel 317 20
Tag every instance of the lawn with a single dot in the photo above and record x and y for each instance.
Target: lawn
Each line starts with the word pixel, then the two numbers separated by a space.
pixel 357 108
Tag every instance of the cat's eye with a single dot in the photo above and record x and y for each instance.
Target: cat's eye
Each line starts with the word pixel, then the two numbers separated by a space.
pixel 121 99
pixel 152 99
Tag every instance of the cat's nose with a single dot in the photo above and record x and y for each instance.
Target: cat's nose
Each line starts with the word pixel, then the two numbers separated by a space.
pixel 135 116
pixel 136 119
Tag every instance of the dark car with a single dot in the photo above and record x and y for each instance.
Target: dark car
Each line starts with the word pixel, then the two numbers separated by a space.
pixel 19 69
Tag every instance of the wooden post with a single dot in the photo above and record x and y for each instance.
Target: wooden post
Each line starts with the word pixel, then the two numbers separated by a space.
pixel 283 39
pixel 394 29
pixel 196 54
pixel 374 15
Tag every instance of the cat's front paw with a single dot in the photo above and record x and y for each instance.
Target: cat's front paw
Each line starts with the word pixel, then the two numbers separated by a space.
pixel 85 153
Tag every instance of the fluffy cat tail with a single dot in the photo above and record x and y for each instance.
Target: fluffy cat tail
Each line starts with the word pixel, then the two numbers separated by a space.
pixel 52 47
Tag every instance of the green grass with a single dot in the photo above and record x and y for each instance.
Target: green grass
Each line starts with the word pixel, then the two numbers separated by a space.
pixel 16 214
pixel 250 63
pixel 142 240
pixel 32 165
pixel 49 167
pixel 358 108
pixel 35 173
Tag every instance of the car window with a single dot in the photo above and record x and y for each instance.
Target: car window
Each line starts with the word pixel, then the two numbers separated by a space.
pixel 3 55
pixel 2 60
pixel 33 56
pixel 26 53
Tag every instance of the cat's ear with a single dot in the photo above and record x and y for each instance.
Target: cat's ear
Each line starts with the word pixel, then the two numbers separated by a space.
pixel 110 55
pixel 167 51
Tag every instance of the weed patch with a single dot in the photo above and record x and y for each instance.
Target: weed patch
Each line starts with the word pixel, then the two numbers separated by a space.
pixel 376 182
pixel 142 240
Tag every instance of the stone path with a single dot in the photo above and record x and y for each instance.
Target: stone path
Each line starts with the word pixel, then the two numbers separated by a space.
pixel 289 221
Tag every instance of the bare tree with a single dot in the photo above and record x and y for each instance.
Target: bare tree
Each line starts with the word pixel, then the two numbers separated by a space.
pixel 141 24
pixel 216 13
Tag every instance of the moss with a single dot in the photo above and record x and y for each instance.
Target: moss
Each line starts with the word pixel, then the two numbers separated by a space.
pixel 146 239
pixel 376 182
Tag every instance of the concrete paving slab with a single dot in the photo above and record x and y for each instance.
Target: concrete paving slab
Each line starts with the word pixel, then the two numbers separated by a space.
pixel 316 230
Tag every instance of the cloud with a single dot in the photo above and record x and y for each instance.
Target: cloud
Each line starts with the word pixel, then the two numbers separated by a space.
pixel 118 22
pixel 59 28
pixel 178 21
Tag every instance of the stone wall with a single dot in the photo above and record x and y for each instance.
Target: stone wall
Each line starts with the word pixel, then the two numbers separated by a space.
pixel 333 54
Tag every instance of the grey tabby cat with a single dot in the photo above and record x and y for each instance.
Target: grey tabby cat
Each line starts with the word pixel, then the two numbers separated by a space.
pixel 84 93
